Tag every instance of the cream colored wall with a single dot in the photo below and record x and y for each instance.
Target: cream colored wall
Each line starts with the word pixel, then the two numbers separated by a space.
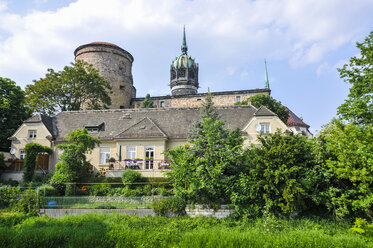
pixel 274 124
pixel 173 143
pixel 94 156
pixel 22 139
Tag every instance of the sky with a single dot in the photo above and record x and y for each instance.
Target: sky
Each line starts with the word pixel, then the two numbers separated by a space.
pixel 303 42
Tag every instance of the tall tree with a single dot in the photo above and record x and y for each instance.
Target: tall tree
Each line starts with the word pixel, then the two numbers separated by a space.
pixel 77 86
pixel 203 171
pixel 73 160
pixel 268 101
pixel 276 176
pixel 13 110
pixel 147 103
pixel 208 110
pixel 345 155
pixel 359 73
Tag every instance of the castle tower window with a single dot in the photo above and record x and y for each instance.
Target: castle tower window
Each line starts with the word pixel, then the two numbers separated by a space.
pixel 121 87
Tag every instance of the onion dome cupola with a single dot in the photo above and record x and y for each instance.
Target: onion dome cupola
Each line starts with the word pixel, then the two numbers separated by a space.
pixel 184 73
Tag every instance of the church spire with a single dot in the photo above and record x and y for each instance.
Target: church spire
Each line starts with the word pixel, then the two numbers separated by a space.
pixel 266 81
pixel 184 47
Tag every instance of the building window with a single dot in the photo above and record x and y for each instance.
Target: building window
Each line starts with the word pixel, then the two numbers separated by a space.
pixel 199 99
pixel 104 155
pixel 22 154
pixel 131 152
pixel 161 104
pixel 149 157
pixel 264 128
pixel 92 129
pixel 121 87
pixel 121 107
pixel 32 134
pixel 238 98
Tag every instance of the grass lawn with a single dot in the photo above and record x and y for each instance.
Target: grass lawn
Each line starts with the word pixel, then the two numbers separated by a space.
pixel 119 230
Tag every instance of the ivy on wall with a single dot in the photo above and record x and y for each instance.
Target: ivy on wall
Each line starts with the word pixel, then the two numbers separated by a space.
pixel 32 150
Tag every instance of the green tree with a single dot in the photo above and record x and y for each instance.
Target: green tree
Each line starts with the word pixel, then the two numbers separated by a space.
pixel 359 73
pixel 147 103
pixel 203 171
pixel 77 86
pixel 345 157
pixel 276 176
pixel 73 160
pixel 13 110
pixel 208 110
pixel 268 101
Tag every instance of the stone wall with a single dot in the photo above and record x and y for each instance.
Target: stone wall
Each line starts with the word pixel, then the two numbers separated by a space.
pixel 219 98
pixel 199 210
pixel 115 65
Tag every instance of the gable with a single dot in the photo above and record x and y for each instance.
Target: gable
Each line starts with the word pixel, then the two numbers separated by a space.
pixel 146 128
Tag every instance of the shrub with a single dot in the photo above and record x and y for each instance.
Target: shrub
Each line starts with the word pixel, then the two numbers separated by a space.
pixel 174 204
pixel 47 190
pixel 105 206
pixel 131 176
pixel 8 196
pixel 100 189
pixel 361 226
pixel 27 203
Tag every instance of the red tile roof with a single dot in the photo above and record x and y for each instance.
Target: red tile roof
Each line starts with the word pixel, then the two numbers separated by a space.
pixel 294 120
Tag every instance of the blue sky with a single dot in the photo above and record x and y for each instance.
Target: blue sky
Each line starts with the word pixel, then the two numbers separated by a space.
pixel 303 41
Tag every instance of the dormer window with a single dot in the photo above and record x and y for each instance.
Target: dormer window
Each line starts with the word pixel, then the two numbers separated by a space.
pixel 92 129
pixel 95 128
pixel 32 134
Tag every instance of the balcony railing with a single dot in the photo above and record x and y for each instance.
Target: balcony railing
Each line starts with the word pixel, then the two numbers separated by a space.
pixel 148 164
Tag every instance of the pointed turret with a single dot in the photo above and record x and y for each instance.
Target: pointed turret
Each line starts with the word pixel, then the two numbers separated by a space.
pixel 184 72
pixel 266 81
pixel 184 47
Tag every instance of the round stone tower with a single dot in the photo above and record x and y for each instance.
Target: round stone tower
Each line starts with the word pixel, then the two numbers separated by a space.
pixel 115 65
pixel 184 73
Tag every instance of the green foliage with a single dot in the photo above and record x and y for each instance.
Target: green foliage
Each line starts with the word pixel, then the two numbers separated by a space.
pixel 76 86
pixel 27 203
pixel 345 160
pixel 8 196
pixel 207 111
pixel 47 190
pixel 13 110
pixel 147 103
pixel 275 177
pixel 73 162
pixel 202 172
pixel 361 226
pixel 359 73
pixel 32 150
pixel 119 230
pixel 131 176
pixel 267 101
pixel 175 205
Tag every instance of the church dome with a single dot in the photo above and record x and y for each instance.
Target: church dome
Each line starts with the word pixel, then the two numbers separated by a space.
pixel 184 61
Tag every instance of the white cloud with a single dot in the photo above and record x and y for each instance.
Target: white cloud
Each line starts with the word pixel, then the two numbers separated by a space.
pixel 225 35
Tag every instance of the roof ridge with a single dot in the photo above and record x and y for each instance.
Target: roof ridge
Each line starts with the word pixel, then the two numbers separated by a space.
pixel 157 126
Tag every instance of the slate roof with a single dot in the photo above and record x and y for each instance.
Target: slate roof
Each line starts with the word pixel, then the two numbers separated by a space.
pixel 294 120
pixel 171 123
pixel 46 120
